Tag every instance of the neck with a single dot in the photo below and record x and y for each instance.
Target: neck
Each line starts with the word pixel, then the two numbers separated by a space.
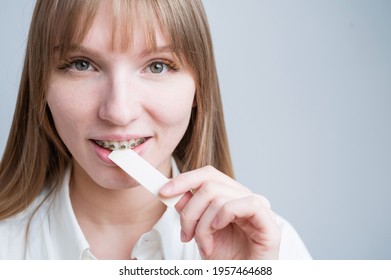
pixel 116 216
pixel 99 205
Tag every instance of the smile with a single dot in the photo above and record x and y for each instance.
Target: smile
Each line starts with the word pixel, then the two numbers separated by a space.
pixel 120 145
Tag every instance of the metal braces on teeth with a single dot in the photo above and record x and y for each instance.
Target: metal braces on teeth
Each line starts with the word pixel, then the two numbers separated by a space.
pixel 121 145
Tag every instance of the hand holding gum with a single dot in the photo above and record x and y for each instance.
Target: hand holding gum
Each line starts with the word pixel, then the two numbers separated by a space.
pixel 141 170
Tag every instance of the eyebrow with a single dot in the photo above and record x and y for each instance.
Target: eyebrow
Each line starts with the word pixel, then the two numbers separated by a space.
pixel 162 49
pixel 80 49
pixel 146 52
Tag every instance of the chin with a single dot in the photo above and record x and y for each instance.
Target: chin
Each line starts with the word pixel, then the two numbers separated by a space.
pixel 117 181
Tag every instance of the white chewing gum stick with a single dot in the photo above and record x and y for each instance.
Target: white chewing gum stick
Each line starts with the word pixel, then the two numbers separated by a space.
pixel 141 170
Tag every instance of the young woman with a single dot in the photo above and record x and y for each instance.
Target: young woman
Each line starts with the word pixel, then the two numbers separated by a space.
pixel 140 75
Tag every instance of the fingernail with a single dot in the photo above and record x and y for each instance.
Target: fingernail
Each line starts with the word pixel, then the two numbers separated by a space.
pixel 167 189
pixel 183 236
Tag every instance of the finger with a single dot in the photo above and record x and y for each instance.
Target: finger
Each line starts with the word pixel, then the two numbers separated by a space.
pixel 263 200
pixel 194 180
pixel 250 214
pixel 183 201
pixel 204 230
pixel 193 211
pixel 256 221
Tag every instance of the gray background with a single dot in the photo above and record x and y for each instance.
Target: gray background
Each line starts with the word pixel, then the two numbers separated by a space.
pixel 307 92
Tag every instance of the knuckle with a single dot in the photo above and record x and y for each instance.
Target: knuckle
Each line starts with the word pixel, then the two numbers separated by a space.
pixel 200 231
pixel 187 215
pixel 263 201
pixel 207 188
pixel 218 203
pixel 182 178
pixel 188 225
pixel 225 209
pixel 253 201
pixel 209 168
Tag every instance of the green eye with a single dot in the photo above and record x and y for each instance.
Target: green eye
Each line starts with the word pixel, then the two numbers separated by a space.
pixel 157 67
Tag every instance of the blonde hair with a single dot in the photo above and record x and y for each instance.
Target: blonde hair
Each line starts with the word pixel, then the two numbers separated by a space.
pixel 35 156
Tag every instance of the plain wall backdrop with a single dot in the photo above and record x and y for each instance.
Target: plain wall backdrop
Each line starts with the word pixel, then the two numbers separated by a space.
pixel 306 87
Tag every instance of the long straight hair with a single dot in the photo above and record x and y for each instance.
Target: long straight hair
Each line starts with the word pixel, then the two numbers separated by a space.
pixel 35 155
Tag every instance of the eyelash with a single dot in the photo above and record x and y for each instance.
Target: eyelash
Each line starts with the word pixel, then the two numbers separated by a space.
pixel 169 63
pixel 66 64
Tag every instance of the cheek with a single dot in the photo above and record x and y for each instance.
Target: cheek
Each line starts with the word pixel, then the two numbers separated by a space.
pixel 69 112
pixel 173 105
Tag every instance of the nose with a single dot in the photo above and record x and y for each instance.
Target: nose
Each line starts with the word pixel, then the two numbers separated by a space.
pixel 121 103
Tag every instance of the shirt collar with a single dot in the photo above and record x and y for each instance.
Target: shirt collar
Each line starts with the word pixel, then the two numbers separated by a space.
pixel 72 244
pixel 71 241
pixel 162 242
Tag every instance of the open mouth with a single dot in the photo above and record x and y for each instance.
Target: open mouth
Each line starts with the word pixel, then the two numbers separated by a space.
pixel 120 145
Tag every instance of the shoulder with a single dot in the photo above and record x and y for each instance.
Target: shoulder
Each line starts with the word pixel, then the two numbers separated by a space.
pixel 292 246
pixel 14 230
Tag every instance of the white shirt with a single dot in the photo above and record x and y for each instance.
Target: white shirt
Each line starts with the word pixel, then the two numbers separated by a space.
pixel 51 231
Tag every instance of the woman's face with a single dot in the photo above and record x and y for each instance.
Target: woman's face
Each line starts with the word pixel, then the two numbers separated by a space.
pixel 132 97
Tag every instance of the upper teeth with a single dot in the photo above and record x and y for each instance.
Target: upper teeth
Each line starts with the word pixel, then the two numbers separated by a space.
pixel 120 145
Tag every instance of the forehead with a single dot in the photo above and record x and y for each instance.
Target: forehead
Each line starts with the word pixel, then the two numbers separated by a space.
pixel 112 25
pixel 121 32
